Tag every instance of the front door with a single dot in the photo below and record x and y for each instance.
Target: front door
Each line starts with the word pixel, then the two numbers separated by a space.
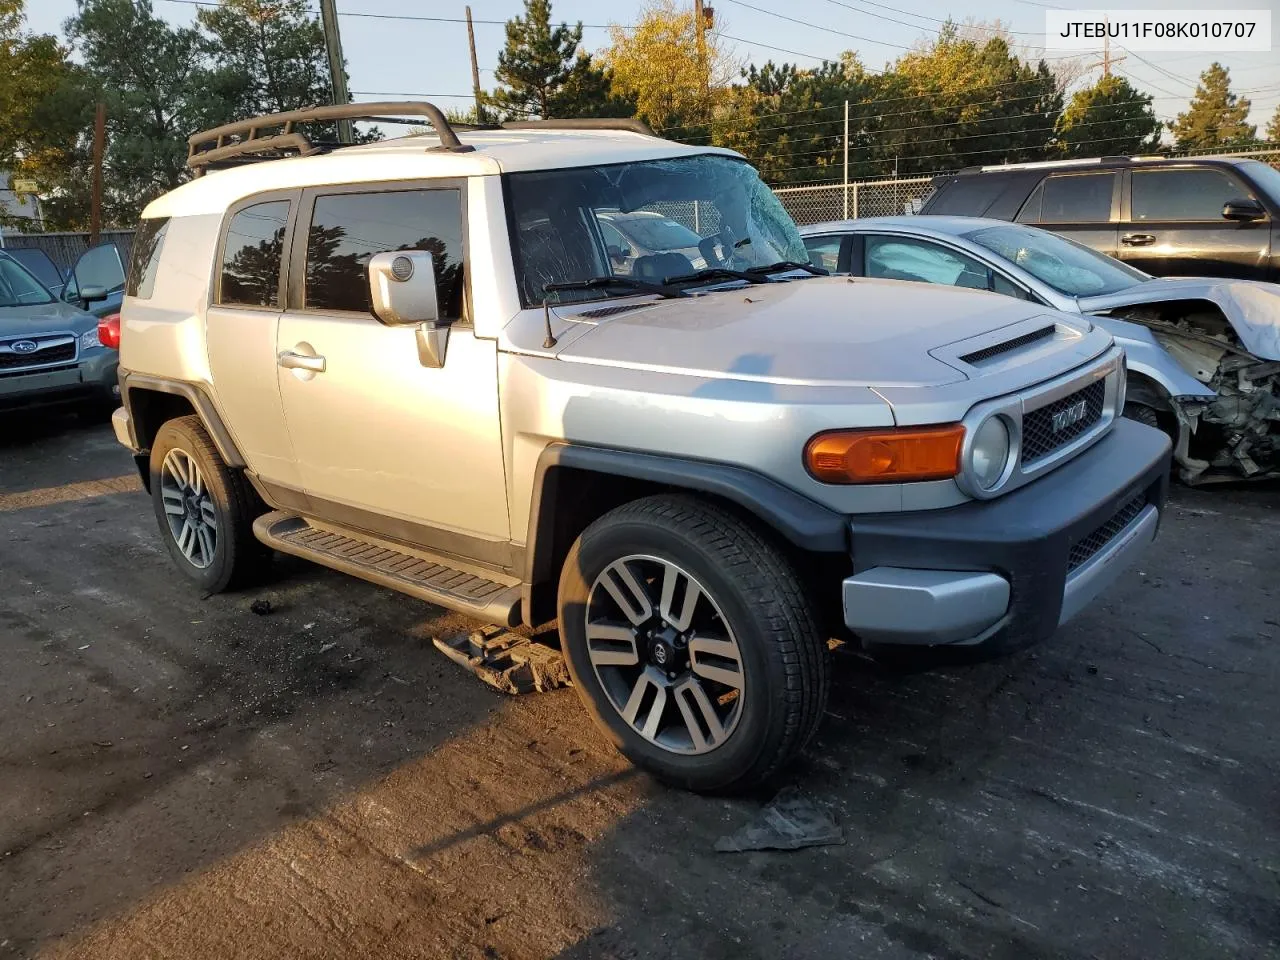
pixel 383 442
pixel 1175 226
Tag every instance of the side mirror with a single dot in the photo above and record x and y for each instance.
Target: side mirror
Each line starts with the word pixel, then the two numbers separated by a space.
pixel 90 295
pixel 402 292
pixel 1243 211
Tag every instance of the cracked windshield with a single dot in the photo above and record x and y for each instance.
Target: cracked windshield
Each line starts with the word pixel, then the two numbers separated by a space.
pixel 1066 266
pixel 645 223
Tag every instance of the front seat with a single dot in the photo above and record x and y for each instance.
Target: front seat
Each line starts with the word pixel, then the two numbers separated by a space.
pixel 656 267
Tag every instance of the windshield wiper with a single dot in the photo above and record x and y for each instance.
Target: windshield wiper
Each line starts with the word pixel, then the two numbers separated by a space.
pixel 604 282
pixel 714 273
pixel 788 265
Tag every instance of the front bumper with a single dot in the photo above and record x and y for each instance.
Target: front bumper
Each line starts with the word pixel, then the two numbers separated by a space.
pixel 92 378
pixel 1009 571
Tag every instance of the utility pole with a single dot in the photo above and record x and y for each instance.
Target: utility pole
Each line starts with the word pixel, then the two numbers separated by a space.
pixel 337 68
pixel 1107 59
pixel 95 199
pixel 700 16
pixel 846 160
pixel 475 68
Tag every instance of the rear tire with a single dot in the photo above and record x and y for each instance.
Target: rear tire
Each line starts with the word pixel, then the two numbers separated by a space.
pixel 205 510
pixel 742 680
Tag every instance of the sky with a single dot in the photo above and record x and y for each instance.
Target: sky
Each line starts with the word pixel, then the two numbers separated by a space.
pixel 393 57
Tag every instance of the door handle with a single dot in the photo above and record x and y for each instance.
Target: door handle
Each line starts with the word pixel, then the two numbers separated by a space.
pixel 298 361
pixel 1138 239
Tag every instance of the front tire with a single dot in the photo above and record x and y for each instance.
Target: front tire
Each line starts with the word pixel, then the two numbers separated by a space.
pixel 691 643
pixel 204 510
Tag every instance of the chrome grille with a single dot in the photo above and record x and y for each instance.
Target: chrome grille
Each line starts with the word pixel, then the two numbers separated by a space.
pixel 1041 436
pixel 1086 547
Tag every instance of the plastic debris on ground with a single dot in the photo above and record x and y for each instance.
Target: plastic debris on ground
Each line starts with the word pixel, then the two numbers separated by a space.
pixel 791 821
pixel 507 661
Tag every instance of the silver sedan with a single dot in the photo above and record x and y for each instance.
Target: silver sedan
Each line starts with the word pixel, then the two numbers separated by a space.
pixel 1203 353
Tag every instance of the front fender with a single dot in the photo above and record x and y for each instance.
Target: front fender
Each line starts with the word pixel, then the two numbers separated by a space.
pixel 1144 355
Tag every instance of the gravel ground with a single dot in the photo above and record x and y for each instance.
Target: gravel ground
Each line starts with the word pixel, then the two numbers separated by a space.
pixel 180 777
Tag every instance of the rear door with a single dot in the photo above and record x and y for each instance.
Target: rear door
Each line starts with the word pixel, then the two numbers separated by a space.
pixel 1082 206
pixel 1174 225
pixel 241 323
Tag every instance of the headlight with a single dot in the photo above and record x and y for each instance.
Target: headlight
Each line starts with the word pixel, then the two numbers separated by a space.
pixel 89 340
pixel 989 454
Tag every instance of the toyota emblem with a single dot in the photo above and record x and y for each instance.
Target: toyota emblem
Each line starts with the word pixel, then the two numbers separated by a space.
pixel 24 346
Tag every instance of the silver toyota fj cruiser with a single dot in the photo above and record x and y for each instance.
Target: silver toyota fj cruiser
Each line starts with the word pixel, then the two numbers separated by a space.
pixel 412 361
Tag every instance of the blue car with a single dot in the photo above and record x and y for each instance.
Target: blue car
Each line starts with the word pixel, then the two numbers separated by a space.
pixel 50 349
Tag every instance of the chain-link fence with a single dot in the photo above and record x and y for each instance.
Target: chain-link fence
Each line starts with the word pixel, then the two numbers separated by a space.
pixel 860 198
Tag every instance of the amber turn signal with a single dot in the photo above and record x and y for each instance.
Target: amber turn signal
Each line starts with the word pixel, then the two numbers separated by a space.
pixel 885 456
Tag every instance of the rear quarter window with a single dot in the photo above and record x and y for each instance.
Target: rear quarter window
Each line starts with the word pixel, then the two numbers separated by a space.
pixel 966 196
pixel 145 262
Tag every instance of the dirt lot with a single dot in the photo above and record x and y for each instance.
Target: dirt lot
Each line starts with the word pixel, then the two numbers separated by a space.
pixel 180 777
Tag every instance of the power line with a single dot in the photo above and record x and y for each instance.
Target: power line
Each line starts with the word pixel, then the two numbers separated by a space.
pixel 803 23
pixel 908 13
pixel 854 36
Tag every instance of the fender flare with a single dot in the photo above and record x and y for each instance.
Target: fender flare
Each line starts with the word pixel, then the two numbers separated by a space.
pixel 805 523
pixel 200 402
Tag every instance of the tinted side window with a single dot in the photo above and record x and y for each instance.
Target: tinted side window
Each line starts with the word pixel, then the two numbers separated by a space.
pixel 1077 198
pixel 251 255
pixel 1002 284
pixel 146 257
pixel 1183 194
pixel 347 229
pixel 1030 212
pixel 901 258
pixel 824 252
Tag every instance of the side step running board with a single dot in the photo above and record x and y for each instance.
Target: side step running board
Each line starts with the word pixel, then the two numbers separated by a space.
pixel 488 596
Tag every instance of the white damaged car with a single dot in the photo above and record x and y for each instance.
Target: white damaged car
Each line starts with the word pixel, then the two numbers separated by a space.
pixel 1204 353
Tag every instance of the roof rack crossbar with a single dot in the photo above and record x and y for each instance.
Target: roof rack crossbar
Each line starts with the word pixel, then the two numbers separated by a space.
pixel 629 124
pixel 217 145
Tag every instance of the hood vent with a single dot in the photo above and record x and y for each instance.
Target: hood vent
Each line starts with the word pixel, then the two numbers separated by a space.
pixel 996 349
pixel 599 313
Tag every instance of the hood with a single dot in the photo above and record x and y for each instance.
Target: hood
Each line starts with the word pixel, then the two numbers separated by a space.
pixel 1251 306
pixel 44 318
pixel 821 331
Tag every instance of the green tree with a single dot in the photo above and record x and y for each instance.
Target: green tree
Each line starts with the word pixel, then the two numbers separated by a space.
pixel 1216 117
pixel 965 101
pixel 543 72
pixel 1109 118
pixel 157 91
pixel 1273 127
pixel 270 55
pixel 39 109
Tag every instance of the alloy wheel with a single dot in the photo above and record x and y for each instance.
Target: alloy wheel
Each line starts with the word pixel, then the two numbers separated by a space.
pixel 665 655
pixel 188 508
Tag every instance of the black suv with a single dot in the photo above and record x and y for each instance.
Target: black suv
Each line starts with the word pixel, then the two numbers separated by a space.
pixel 1213 217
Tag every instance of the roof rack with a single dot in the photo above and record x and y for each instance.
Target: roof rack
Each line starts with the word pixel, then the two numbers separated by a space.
pixel 245 141
pixel 273 135
pixel 629 124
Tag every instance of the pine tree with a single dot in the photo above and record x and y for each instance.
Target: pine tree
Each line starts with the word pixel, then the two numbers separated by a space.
pixel 1216 117
pixel 1109 118
pixel 1273 127
pixel 541 71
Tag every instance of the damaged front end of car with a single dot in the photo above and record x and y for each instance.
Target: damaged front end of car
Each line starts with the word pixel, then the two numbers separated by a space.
pixel 1234 435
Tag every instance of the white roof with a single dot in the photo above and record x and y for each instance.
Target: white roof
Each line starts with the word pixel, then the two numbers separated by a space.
pixel 411 158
